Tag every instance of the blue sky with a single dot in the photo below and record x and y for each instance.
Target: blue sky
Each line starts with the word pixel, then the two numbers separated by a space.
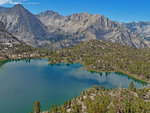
pixel 117 10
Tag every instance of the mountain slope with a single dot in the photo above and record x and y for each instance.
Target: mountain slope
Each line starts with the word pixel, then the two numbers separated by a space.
pixel 12 48
pixel 3 9
pixel 141 28
pixel 24 25
pixel 51 28
pixel 84 26
pixel 6 38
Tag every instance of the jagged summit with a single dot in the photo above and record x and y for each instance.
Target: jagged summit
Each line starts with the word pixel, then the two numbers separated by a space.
pixel 85 26
pixel 18 6
pixel 50 14
pixel 65 31
pixel 83 13
pixel 19 9
pixel 24 25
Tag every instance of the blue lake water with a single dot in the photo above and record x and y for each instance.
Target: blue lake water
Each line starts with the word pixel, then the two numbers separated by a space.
pixel 25 81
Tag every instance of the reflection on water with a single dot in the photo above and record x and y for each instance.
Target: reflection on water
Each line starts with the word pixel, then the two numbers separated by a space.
pixel 24 81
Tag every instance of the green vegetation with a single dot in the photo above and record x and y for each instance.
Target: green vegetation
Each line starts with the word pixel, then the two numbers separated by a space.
pixel 37 107
pixel 2 62
pixel 20 52
pixel 101 100
pixel 132 87
pixel 102 56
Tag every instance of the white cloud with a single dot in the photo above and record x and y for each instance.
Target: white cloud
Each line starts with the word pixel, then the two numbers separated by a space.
pixel 32 3
pixel 2 2
pixel 8 1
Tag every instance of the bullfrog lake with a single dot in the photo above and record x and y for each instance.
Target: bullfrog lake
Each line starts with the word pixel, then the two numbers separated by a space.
pixel 22 82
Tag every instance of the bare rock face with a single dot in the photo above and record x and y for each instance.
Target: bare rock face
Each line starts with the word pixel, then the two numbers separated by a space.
pixel 24 25
pixel 140 28
pixel 3 9
pixel 57 31
pixel 84 26
pixel 6 38
pixel 51 19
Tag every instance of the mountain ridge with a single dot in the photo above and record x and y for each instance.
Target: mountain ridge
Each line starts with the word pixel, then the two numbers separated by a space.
pixel 85 26
pixel 141 28
pixel 50 29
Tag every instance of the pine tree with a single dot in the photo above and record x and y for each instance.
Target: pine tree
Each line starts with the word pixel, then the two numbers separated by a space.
pixel 102 88
pixel 54 109
pixel 131 86
pixel 37 107
pixel 95 87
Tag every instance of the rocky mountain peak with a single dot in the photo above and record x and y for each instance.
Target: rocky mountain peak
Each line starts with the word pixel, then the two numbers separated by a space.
pixel 50 26
pixel 18 9
pixel 85 13
pixel 24 25
pixel 85 26
pixel 50 14
pixel 18 6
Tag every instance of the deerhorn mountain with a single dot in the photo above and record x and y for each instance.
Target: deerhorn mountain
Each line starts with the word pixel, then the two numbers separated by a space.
pixel 84 26
pixel 56 31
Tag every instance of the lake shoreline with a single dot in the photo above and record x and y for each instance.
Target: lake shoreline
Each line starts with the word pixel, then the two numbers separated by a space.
pixel 52 84
pixel 117 70
pixel 87 68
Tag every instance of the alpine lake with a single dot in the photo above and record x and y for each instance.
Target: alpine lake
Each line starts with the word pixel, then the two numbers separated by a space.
pixel 22 82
